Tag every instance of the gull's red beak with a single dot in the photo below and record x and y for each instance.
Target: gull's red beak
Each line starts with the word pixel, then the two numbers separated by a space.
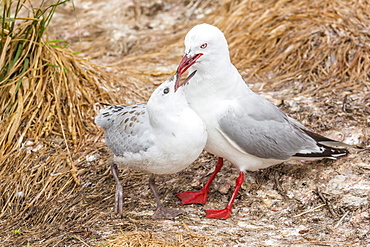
pixel 186 62
pixel 184 65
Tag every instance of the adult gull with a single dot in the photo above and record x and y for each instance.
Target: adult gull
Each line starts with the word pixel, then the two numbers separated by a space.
pixel 246 129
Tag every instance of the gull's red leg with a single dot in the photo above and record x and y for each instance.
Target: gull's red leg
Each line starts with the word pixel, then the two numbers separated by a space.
pixel 225 213
pixel 201 195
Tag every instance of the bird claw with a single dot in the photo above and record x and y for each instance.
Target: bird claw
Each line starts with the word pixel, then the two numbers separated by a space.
pixel 166 213
pixel 222 214
pixel 189 197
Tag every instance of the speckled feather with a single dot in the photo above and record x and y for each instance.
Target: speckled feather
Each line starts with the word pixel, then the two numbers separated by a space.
pixel 126 128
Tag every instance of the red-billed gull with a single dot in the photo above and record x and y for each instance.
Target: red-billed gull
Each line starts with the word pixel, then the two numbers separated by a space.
pixel 249 131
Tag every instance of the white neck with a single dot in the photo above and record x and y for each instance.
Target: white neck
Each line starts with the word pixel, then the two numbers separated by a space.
pixel 206 87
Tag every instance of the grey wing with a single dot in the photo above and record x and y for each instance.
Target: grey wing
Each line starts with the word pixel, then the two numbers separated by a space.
pixel 258 127
pixel 127 128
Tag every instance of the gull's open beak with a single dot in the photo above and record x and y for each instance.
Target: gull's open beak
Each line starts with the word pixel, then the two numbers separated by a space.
pixel 177 85
pixel 184 65
pixel 186 62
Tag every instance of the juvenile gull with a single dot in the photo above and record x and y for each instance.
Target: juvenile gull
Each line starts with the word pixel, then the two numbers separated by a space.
pixel 162 137
pixel 243 127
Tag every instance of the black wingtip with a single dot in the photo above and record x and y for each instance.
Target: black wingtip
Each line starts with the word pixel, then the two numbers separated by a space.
pixel 327 152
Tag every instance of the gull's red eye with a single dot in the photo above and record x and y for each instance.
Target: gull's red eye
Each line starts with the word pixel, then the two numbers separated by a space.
pixel 203 46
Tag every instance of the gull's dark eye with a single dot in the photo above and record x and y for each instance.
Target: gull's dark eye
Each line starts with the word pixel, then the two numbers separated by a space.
pixel 203 46
pixel 166 90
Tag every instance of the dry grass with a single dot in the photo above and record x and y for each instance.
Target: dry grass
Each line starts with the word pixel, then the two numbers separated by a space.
pixel 51 194
pixel 146 239
pixel 46 98
pixel 322 44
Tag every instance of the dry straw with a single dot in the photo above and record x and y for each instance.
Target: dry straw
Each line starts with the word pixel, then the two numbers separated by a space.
pixel 322 44
pixel 46 97
pixel 186 238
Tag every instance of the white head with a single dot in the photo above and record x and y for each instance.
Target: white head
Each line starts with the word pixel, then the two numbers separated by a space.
pixel 167 96
pixel 205 46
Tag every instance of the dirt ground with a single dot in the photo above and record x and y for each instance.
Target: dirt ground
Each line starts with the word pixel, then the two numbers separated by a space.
pixel 321 203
